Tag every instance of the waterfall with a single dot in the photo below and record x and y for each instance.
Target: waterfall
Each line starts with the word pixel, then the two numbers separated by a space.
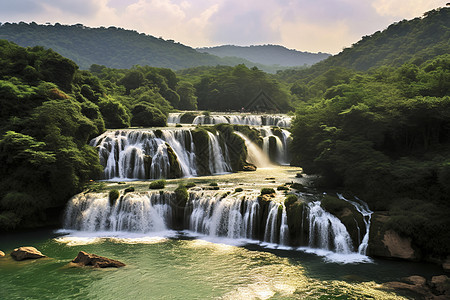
pixel 236 119
pixel 254 154
pixel 153 154
pixel 282 140
pixel 364 210
pixel 219 216
pixel 132 213
pixel 216 214
pixel 217 162
pixel 174 118
pixel 326 231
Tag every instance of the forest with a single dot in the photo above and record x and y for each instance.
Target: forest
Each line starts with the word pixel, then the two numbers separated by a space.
pixel 371 124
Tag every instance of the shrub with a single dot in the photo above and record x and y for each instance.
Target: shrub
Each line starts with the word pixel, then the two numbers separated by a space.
pixel 266 191
pixel 157 184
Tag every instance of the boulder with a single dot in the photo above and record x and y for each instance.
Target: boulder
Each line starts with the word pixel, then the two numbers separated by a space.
pixel 249 167
pixel 388 243
pixel 26 253
pixel 89 259
pixel 446 265
pixel 441 284
pixel 2 253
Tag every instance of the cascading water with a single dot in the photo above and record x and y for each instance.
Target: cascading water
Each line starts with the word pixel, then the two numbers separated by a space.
pixel 254 154
pixel 217 214
pixel 364 210
pixel 133 213
pixel 237 119
pixel 153 154
pixel 281 141
pixel 326 231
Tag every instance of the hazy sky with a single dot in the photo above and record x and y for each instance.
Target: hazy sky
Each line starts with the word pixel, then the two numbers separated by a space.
pixel 305 25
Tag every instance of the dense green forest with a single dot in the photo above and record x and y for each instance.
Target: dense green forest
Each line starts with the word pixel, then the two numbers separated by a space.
pixel 268 55
pixel 384 134
pixel 225 88
pixel 115 47
pixel 415 41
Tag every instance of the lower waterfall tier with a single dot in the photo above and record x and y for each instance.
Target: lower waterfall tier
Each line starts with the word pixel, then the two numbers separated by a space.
pixel 232 214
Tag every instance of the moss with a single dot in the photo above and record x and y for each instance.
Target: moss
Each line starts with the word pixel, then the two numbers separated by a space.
pixel 158 133
pixel 181 195
pixel 201 143
pixel 128 190
pixel 175 167
pixel 113 196
pixel 157 184
pixel 190 185
pixel 238 190
pixel 290 199
pixel 266 191
pixel 282 188
pixel 252 133
pixel 298 186
pixel 235 144
pixel 187 117
pixel 213 184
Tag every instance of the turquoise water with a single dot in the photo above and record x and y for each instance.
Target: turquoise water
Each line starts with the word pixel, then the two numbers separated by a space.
pixel 182 267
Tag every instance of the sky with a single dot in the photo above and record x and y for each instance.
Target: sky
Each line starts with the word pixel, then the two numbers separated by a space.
pixel 305 25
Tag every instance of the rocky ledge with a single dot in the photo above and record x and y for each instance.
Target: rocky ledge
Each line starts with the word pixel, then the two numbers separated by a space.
pixel 96 261
pixel 22 253
pixel 437 288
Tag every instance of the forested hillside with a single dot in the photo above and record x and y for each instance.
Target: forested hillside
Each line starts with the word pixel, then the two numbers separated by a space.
pixel 112 47
pixel 384 134
pixel 268 55
pixel 414 41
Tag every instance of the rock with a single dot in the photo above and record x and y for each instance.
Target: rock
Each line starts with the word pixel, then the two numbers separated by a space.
pixel 89 259
pixel 2 253
pixel 446 265
pixel 416 280
pixel 26 253
pixel 416 289
pixel 398 246
pixel 388 243
pixel 441 284
pixel 249 167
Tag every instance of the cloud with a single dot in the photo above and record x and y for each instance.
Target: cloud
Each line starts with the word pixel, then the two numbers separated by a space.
pixel 400 8
pixel 319 25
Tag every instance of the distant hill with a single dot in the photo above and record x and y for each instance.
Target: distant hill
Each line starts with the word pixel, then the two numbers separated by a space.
pixel 268 55
pixel 414 41
pixel 113 47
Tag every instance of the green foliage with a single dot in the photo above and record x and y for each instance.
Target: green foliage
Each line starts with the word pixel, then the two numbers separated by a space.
pixel 290 199
pixel 181 195
pixel 157 184
pixel 114 114
pixel 147 116
pixel 282 188
pixel 189 185
pixel 267 191
pixel 213 184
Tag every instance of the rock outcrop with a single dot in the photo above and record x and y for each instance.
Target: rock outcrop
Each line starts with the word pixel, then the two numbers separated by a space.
pixel 22 253
pixel 387 243
pixel 446 265
pixel 438 288
pixel 96 261
pixel 2 253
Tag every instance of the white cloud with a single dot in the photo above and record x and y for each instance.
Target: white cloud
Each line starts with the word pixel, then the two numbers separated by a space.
pixel 404 9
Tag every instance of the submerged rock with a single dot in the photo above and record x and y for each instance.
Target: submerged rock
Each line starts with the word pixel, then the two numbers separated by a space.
pixel 249 167
pixel 441 284
pixel 437 288
pixel 22 253
pixel 89 259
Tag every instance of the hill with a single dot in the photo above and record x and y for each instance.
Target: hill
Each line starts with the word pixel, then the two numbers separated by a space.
pixel 414 41
pixel 268 54
pixel 112 47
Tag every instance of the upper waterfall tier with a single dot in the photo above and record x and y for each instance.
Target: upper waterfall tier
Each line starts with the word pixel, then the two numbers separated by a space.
pixel 182 152
pixel 167 153
pixel 237 119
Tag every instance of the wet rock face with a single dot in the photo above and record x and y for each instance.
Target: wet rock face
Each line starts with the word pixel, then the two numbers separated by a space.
pixel 26 253
pixel 437 288
pixel 96 261
pixel 387 243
